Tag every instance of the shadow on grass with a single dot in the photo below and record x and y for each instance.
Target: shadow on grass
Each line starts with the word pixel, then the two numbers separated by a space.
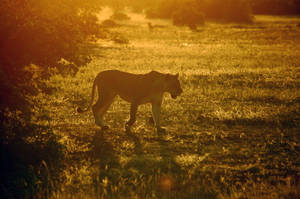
pixel 142 175
pixel 103 152
pixel 290 119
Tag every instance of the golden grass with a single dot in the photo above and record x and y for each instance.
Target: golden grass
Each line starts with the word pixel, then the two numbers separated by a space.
pixel 232 134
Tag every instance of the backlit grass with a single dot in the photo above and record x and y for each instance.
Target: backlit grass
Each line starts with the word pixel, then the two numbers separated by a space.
pixel 233 133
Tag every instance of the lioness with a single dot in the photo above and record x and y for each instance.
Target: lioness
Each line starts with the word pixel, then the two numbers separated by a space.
pixel 135 88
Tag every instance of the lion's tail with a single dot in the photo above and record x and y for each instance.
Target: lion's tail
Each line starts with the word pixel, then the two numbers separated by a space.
pixel 79 110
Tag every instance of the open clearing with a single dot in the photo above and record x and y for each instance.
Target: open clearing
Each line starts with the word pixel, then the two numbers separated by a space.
pixel 233 133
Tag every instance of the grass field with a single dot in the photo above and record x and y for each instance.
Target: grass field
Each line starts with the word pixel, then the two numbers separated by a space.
pixel 233 133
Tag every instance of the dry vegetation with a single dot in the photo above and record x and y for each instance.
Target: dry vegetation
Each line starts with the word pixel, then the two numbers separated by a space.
pixel 234 132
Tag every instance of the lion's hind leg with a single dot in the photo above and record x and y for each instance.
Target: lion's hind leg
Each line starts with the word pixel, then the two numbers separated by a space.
pixel 99 109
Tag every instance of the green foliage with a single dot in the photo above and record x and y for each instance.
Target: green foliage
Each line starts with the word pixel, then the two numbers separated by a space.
pixel 36 38
pixel 40 33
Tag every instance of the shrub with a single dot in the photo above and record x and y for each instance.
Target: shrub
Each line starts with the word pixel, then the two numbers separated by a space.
pixel 108 23
pixel 120 39
pixel 275 7
pixel 192 12
pixel 31 159
pixel 35 36
pixel 226 10
pixel 119 16
pixel 237 11
pixel 163 9
pixel 188 15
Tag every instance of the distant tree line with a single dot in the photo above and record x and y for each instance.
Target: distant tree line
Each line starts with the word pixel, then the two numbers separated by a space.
pixel 189 12
pixel 195 12
pixel 35 36
pixel 276 7
pixel 271 7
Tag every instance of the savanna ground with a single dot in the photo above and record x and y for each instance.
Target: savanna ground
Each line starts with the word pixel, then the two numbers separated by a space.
pixel 233 133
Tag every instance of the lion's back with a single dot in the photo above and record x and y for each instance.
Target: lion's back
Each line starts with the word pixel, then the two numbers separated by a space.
pixel 129 84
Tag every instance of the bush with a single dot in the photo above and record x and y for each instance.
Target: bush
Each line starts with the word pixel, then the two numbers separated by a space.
pixel 275 7
pixel 32 160
pixel 237 11
pixel 119 16
pixel 35 37
pixel 108 23
pixel 40 34
pixel 187 15
pixel 192 12
pixel 163 9
pixel 226 10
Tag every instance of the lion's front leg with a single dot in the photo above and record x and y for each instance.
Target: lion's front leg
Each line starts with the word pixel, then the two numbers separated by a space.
pixel 133 110
pixel 156 116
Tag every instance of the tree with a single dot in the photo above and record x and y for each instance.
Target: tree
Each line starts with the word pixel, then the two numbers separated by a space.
pixel 188 15
pixel 277 7
pixel 35 36
pixel 193 12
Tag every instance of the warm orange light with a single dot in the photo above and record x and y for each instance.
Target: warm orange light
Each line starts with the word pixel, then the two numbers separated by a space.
pixel 166 183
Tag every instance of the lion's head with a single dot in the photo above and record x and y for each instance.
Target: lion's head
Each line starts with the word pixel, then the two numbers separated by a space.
pixel 173 85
